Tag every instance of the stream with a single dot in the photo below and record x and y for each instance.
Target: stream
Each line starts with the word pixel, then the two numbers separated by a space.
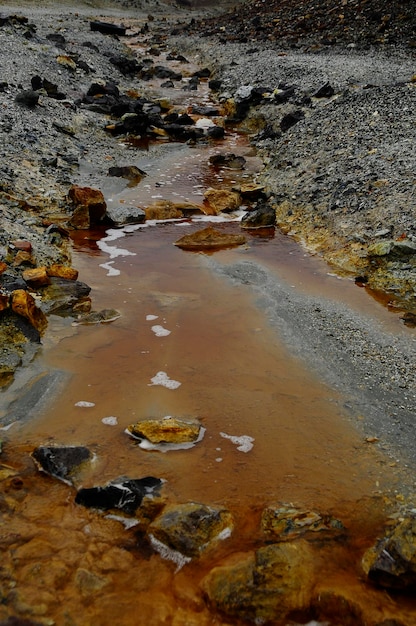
pixel 180 317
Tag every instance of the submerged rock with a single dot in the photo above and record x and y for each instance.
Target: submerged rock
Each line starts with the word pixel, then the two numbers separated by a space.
pixel 269 585
pixel 125 494
pixel 392 562
pixel 209 239
pixel 98 317
pixel 286 522
pixel 61 462
pixel 191 528
pixel 166 430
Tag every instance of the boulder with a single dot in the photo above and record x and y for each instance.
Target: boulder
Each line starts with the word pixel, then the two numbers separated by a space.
pixel 24 304
pixel 62 271
pixel 286 522
pixel 163 210
pixel 125 494
pixel 218 200
pixel 209 239
pixel 263 216
pixel 269 585
pixel 192 528
pixel 391 562
pixel 89 206
pixel 36 277
pixel 166 430
pixel 61 462
pixel 126 214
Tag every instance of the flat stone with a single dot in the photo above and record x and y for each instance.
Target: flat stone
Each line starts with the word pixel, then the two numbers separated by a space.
pixel 209 239
pixel 286 522
pixel 124 494
pixel 167 430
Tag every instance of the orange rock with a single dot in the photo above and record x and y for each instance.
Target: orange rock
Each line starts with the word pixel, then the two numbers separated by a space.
pixel 4 301
pixel 163 210
pixel 23 257
pixel 24 304
pixel 219 200
pixel 3 267
pixel 61 271
pixel 23 245
pixel 90 206
pixel 36 277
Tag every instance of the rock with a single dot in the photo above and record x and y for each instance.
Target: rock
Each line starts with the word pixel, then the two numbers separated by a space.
pixel 409 319
pixel 107 28
pixel 391 562
pixel 191 528
pixel 128 66
pixel 62 295
pixel 163 210
pixel 90 206
pixel 286 522
pixel 61 462
pixel 269 585
pixel 125 214
pixel 380 248
pixel 25 246
pixel 66 61
pixel 263 216
pixel 228 160
pixel 28 98
pixel 4 301
pixel 125 494
pixel 215 132
pixel 166 430
pixel 130 172
pixel 62 271
pixel 325 91
pixel 252 191
pixel 3 267
pixel 290 119
pixel 37 277
pixel 104 316
pixel 209 239
pixel 24 304
pixel 218 200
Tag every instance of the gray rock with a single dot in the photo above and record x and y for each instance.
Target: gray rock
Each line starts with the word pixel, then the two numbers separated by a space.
pixel 126 214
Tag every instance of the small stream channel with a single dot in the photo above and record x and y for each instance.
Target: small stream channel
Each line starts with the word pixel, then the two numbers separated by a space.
pixel 235 373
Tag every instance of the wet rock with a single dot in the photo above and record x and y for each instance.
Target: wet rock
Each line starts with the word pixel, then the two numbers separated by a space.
pixel 209 239
pixel 263 216
pixel 126 214
pixel 339 606
pixel 215 132
pixel 228 160
pixel 124 494
pixel 218 200
pixel 62 295
pixel 89 206
pixel 391 562
pixel 192 528
pixel 409 319
pixel 166 430
pixel 252 191
pixel 105 316
pixel 24 304
pixel 181 132
pixel 61 462
pixel 28 98
pixel 163 210
pixel 130 172
pixel 269 585
pixel 37 277
pixel 286 522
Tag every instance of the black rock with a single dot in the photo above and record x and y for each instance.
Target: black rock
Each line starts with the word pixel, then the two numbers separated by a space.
pixel 124 494
pixel 126 65
pixel 216 132
pixel 57 38
pixel 326 91
pixel 262 217
pixel 204 73
pixel 60 462
pixel 291 119
pixel 107 28
pixel 214 85
pixel 28 98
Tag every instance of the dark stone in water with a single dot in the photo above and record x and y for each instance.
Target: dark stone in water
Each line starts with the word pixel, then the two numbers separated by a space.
pixel 60 462
pixel 125 494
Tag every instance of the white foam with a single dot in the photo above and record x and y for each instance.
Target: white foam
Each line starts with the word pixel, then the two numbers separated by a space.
pixel 160 331
pixel 145 444
pixel 163 379
pixel 111 420
pixel 84 404
pixel 127 522
pixel 167 553
pixel 8 426
pixel 150 318
pixel 113 251
pixel 243 443
pixel 112 271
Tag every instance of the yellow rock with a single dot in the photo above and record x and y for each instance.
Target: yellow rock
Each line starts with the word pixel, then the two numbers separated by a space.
pixel 36 277
pixel 24 304
pixel 61 271
pixel 167 430
pixel 222 200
